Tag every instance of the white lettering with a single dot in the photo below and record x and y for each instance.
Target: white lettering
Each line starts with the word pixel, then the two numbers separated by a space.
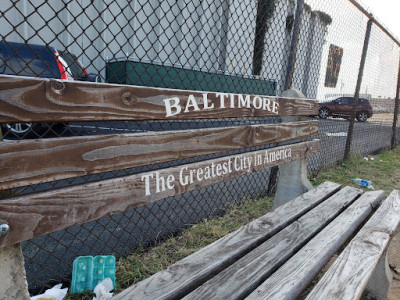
pixel 257 102
pixel 225 168
pixel 219 170
pixel 191 102
pixel 170 180
pixel 266 104
pixel 205 104
pixel 160 183
pixel 221 99
pixel 183 179
pixel 199 174
pixel 243 102
pixel 237 163
pixel 169 106
pixel 147 183
pixel 275 106
pixel 232 100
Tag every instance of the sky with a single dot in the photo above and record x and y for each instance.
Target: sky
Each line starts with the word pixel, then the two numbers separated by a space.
pixel 347 31
pixel 386 12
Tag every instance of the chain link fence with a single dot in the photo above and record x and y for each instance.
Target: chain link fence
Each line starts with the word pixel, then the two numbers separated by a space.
pixel 249 47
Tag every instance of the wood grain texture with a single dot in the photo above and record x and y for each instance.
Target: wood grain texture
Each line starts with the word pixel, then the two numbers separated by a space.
pixel 28 162
pixel 347 278
pixel 41 213
pixel 242 277
pixel 25 99
pixel 294 276
pixel 188 273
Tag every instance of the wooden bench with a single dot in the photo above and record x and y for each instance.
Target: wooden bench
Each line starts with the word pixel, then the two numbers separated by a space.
pixel 293 225
pixel 278 255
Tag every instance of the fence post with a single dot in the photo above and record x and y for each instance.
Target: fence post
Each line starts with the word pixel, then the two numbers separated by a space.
pixel 13 283
pixel 358 86
pixel 396 112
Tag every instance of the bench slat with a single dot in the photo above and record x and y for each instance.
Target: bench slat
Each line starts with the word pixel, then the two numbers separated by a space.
pixel 29 162
pixel 295 275
pixel 66 101
pixel 349 274
pixel 45 212
pixel 241 278
pixel 188 273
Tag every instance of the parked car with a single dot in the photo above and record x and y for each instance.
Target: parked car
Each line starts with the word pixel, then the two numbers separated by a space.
pixel 33 60
pixel 342 108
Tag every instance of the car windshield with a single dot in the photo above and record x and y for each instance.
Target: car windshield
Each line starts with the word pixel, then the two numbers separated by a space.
pixel 74 65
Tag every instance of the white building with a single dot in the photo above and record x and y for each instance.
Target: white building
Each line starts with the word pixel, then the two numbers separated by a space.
pixel 213 35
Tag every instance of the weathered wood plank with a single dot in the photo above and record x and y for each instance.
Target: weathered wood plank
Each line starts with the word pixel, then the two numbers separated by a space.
pixel 190 272
pixel 25 99
pixel 37 214
pixel 294 276
pixel 242 277
pixel 350 273
pixel 28 162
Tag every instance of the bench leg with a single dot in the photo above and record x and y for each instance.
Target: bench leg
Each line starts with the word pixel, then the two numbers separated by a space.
pixel 379 283
pixel 13 283
pixel 292 182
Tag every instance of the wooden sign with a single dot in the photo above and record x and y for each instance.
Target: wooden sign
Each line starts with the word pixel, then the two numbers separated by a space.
pixel 24 99
pixel 34 215
pixel 26 162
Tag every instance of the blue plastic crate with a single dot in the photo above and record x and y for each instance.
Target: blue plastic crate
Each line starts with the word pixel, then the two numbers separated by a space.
pixel 88 271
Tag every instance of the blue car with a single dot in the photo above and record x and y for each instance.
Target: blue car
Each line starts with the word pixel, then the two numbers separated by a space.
pixel 44 61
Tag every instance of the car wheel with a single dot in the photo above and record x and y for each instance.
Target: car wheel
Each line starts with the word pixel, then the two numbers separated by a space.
pixel 324 113
pixel 18 129
pixel 362 116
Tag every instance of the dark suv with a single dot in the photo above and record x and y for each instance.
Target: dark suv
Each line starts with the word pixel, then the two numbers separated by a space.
pixel 342 108
pixel 38 61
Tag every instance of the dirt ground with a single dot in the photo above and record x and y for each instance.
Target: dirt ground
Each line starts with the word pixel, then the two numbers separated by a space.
pixel 394 262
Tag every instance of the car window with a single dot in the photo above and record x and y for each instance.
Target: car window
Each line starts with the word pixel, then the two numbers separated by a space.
pixel 343 101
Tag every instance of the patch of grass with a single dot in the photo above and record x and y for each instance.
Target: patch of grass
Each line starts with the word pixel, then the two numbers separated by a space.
pixel 383 171
pixel 143 263
pixel 86 295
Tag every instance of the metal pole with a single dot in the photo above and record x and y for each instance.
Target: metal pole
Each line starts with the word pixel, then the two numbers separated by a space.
pixel 358 86
pixel 396 112
pixel 293 45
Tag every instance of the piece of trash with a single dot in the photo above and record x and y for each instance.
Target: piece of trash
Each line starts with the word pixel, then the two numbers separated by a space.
pixel 372 158
pixel 336 133
pixel 363 183
pixel 103 289
pixel 55 293
pixel 89 271
pixel 366 158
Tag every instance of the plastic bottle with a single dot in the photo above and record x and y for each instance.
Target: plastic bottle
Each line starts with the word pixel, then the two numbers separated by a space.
pixel 363 183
